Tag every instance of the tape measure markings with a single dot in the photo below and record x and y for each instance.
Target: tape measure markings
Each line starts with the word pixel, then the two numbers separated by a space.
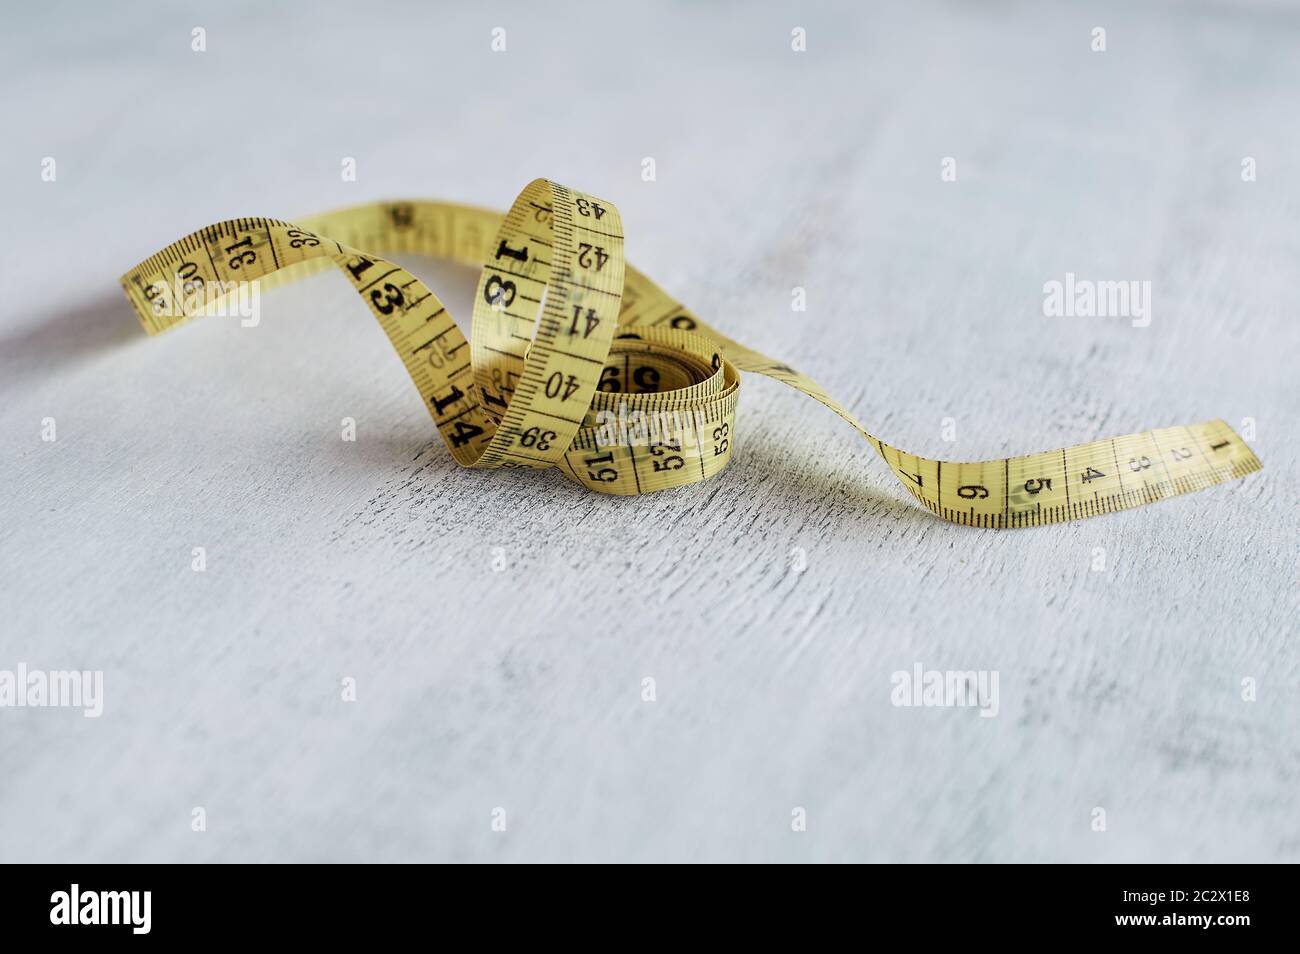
pixel 546 390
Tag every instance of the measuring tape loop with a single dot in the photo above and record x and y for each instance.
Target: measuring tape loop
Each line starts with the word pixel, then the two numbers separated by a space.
pixel 578 361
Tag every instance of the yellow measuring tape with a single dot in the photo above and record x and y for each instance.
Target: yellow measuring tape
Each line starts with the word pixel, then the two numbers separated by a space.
pixel 579 361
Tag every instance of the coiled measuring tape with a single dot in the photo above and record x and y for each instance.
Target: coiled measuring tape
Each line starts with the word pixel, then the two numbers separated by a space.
pixel 579 361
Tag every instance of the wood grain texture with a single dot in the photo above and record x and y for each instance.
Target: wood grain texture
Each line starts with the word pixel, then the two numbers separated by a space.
pixel 522 689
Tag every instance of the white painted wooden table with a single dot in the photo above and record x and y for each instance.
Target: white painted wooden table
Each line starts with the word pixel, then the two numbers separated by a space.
pixel 522 690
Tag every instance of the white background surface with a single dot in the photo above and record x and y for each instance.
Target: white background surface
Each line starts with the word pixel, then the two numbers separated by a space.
pixel 326 559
